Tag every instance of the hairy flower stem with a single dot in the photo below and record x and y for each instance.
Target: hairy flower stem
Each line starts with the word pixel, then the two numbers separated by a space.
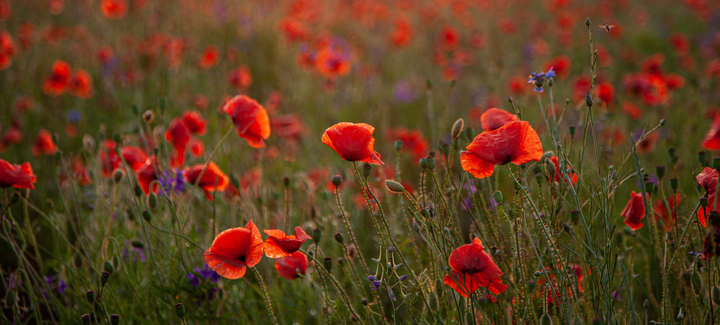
pixel 365 189
pixel 268 302
pixel 336 283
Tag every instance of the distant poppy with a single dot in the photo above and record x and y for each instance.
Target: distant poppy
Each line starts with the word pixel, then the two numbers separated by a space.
pixel 473 268
pixel 353 142
pixel 279 244
pixel 17 176
pixel 288 267
pixel 81 84
pixel 708 179
pixel 80 173
pixel 58 81
pixel 11 136
pixel 134 157
pixel 213 178
pixel 209 57
pixel 146 174
pixel 197 148
pixel 632 110
pixel 402 35
pixel 178 134
pixel 660 210
pixel 560 64
pixel 515 142
pixel 287 126
pixel 449 39
pixel 234 250
pixel 7 50
pixel 44 144
pixel 495 118
pixel 109 159
pixel 333 63
pixel 194 122
pixel 240 78
pixel 577 269
pixel 250 119
pixel 113 9
pixel 413 141
pixel 634 211
pixel 104 54
pixel 712 137
pixel 558 174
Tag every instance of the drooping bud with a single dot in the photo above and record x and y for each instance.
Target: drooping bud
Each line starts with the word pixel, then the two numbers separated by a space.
pixel 104 277
pixel 716 295
pixel 469 134
pixel 146 215
pixel 117 175
pixel 394 186
pixel 152 201
pixel 108 267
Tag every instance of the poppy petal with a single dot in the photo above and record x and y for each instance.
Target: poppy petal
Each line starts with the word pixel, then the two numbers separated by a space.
pixel 476 166
pixel 255 251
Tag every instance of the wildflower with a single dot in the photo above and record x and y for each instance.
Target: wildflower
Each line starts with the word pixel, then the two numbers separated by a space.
pixel 708 179
pixel 17 176
pixel 669 218
pixel 288 126
pixel 197 147
pixel 178 135
pixel 280 245
pixel 213 178
pixel 515 142
pixel 208 273
pixel 712 137
pixel 209 57
pixel 333 62
pixel 194 122
pixel 194 280
pixel 562 174
pixel 169 183
pixel 539 78
pixel 250 119
pixel 44 144
pixel 634 211
pixel 58 81
pixel 12 135
pixel 234 250
pixel 449 39
pixel 495 118
pixel 134 157
pixel 289 266
pixel 240 78
pixel 80 84
pixel 560 65
pixel 473 268
pixel 353 142
pixel 413 141
pixel 113 9
pixel 61 287
pixel 7 50
pixel 146 174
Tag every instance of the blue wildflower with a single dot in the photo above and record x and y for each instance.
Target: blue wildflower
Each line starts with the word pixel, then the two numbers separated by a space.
pixel 194 280
pixel 74 115
pixel 62 286
pixel 539 78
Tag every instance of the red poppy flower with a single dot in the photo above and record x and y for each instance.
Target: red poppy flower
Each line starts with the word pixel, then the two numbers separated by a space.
pixel 134 157
pixel 146 174
pixel 680 43
pixel 708 179
pixel 287 126
pixel 113 9
pixel 80 172
pixel 669 218
pixel 197 148
pixel 579 274
pixel 194 122
pixel 606 92
pixel 332 63
pixel 712 137
pixel 81 84
pixel 558 174
pixel 210 177
pixel 240 78
pixel 634 211
pixel 515 142
pixel 289 266
pixel 473 268
pixel 109 159
pixel 178 134
pixel 17 176
pixel 560 64
pixel 413 141
pixel 353 142
pixel 250 119
pixel 7 50
pixel 449 39
pixel 281 245
pixel 44 144
pixel 495 118
pixel 209 57
pixel 58 81
pixel 12 136
pixel 234 250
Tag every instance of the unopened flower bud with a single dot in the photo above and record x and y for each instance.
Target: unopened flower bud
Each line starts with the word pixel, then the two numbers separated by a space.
pixel 571 129
pixel 339 238
pixel 286 181
pixel 316 235
pixel 180 310
pixel 162 104
pixel 364 301
pixel 469 134
pixel 147 215
pixel 366 169
pixel 398 145
pixel 118 175
pixel 457 128
pixel 148 116
pixel 152 201
pixel 588 100
pixel 423 163
pixel 587 22
pixel 703 202
pixel 337 180
pixel 545 320
pixel 90 295
pixel 394 186
pixel 327 262
pixel 104 277
pixel 433 301
pixel 498 196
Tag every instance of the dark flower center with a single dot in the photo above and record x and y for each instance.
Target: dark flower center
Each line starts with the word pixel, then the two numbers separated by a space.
pixel 241 258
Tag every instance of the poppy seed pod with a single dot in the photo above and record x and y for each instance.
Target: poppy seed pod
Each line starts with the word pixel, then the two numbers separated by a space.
pixel 398 145
pixel 572 131
pixel 316 235
pixel 85 318
pixel 148 116
pixel 327 262
pixel 104 277
pixel 445 149
pixel 587 22
pixel 180 310
pixel 545 320
pixel 118 176
pixel 339 238
pixel 674 183
pixel 90 295
pixel 286 181
pixel 394 186
pixel 660 171
pixel 152 201
pixel 457 128
pixel 114 319
pixel 423 163
pixel 146 215
pixel 337 180
pixel 498 196
pixel 430 162
pixel 649 187
pixel 366 170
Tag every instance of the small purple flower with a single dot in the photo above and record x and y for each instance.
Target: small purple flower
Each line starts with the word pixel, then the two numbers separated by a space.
pixel 208 273
pixel 404 92
pixel 392 294
pixel 371 278
pixel 48 280
pixel 194 280
pixel 74 116
pixel 539 78
pixel 172 183
pixel 402 278
pixel 62 286
pixel 211 296
pixel 376 284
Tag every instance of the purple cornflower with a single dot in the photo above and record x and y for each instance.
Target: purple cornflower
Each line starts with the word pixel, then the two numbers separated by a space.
pixel 62 286
pixel 211 296
pixel 376 284
pixel 194 280
pixel 170 183
pixel 404 92
pixel 208 273
pixel 74 115
pixel 539 78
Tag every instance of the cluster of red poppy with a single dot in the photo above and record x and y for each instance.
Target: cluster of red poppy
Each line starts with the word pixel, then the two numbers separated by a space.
pixel 63 79
pixel 180 134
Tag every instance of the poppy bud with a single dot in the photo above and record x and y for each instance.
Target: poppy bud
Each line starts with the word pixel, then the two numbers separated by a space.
pixel 146 215
pixel 457 128
pixel 316 235
pixel 660 171
pixel 148 116
pixel 364 301
pixel 90 295
pixel 162 104
pixel 366 169
pixel 575 216
pixel 469 319
pixel 702 157
pixel 118 175
pixel 662 122
pixel 10 298
pixel 716 295
pixel 341 261
pixel 114 319
pixel 433 301
pixel 337 180
pixel 423 163
pixel 137 190
pixel 696 281
pixel 108 267
pixel 537 274
pixel 180 310
pixel 673 155
pixel 498 196
pixel 469 134
pixel 716 163
pixel 286 181
pixel 550 168
pixel 85 319
pixel 398 145
pixel 445 149
pixel 104 277
pixel 539 178
pixel 674 184
pixel 394 186
pixel 531 285
pixel 703 202
pixel 327 262
pixel 439 287
pixel 339 238
pixel 431 162
pixel 152 201
pixel 588 100
pixel 545 320
pixel 587 22
pixel 650 187
pixel 130 214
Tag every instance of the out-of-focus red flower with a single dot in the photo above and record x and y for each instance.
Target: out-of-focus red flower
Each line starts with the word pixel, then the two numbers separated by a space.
pixel 104 54
pixel 515 142
pixel 353 142
pixel 44 144
pixel 17 176
pixel 7 50
pixel 279 244
pixel 517 85
pixel 708 179
pixel 495 118
pixel 134 157
pixel 80 172
pixel 81 84
pixel 712 137
pixel 59 80
pixel 5 9
pixel 606 92
pixel 403 32
pixel 25 35
pixel 473 268
pixel 250 119
pixel 201 102
pixel 288 267
pixel 197 147
pixel 109 159
pixel 240 78
pixel 234 250
pixel 24 104
pixel 680 43
pixel 632 110
pixel 634 211
pixel 213 178
pixel 333 63
pixel 178 135
pixel 292 29
pixel 562 174
pixel 674 81
pixel 12 135
pixel 288 126
pixel 113 9
pixel 210 57
pixel 413 141
pixel 194 122
pixel 661 211
pixel 146 174
pixel 648 144
pixel 561 64
pixel 653 64
pixel 306 58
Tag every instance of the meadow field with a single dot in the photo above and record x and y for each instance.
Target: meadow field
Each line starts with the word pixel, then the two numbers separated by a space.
pixel 359 161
